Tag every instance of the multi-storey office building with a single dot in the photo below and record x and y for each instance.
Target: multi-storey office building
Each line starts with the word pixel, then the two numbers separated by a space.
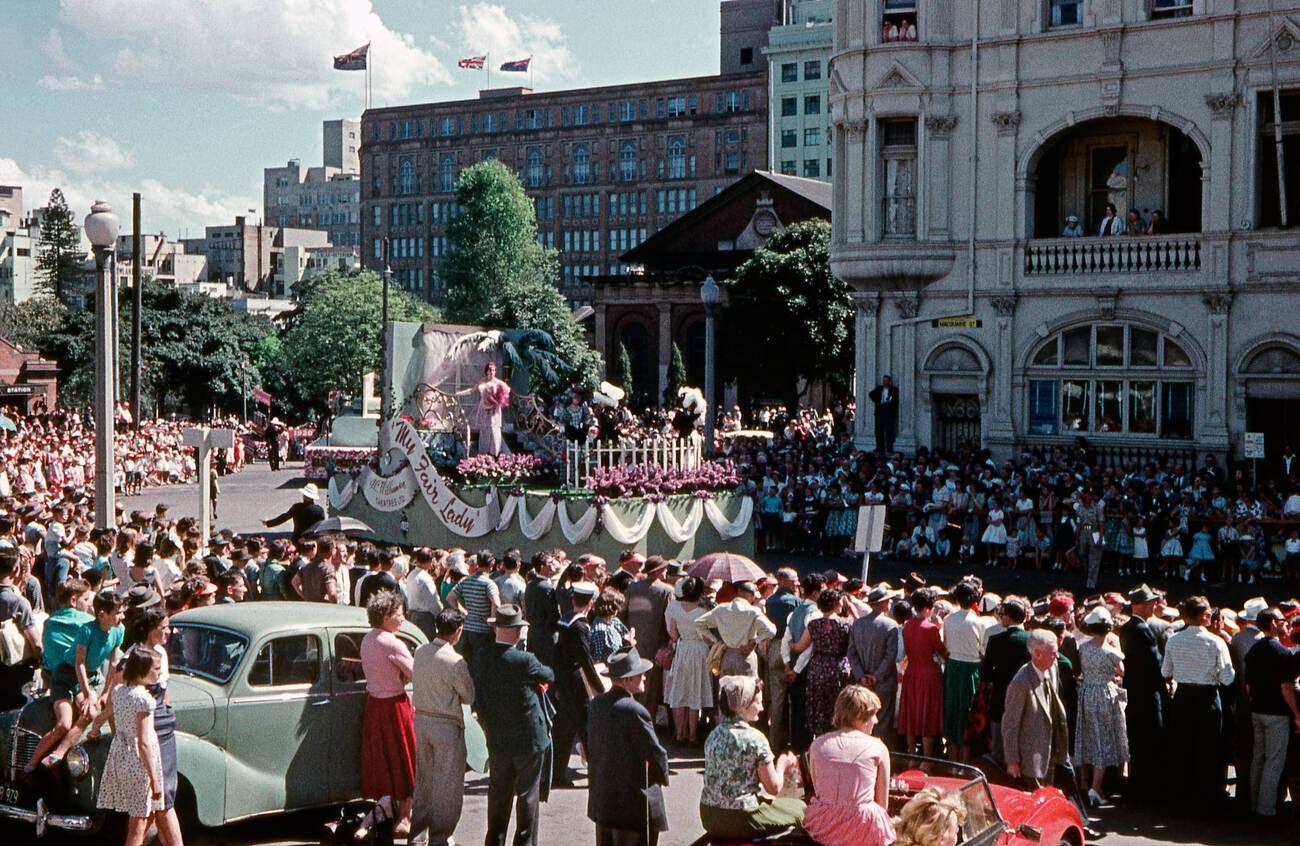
pixel 326 197
pixel 962 155
pixel 798 55
pixel 606 167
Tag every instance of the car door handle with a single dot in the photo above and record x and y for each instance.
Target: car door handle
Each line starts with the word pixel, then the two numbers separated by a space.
pixel 320 703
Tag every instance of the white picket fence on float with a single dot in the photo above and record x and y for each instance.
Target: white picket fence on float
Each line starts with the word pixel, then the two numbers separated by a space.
pixel 581 461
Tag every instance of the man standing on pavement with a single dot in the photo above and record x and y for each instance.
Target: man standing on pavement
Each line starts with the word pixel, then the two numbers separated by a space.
pixel 440 685
pixel 478 598
pixel 1271 671
pixel 741 628
pixel 575 677
pixel 885 398
pixel 873 654
pixel 304 514
pixel 509 684
pixel 647 601
pixel 542 607
pixel 1007 652
pixel 1144 715
pixel 1197 662
pixel 317 581
pixel 1241 729
pixel 1035 730
pixel 779 606
pixel 625 797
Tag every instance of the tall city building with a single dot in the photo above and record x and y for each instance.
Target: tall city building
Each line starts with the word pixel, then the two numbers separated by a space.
pixel 606 167
pixel 17 261
pixel 246 257
pixel 11 204
pixel 742 34
pixel 327 197
pixel 1069 219
pixel 798 82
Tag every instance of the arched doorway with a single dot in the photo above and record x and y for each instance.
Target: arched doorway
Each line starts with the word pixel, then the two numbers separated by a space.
pixel 954 380
pixel 1270 374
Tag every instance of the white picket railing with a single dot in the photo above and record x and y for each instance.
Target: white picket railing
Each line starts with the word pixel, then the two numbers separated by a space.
pixel 668 452
pixel 1118 254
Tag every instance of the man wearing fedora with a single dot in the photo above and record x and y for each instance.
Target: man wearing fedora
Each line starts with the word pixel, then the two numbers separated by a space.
pixel 305 513
pixel 629 765
pixel 1146 690
pixel 575 678
pixel 647 601
pixel 508 684
pixel 873 654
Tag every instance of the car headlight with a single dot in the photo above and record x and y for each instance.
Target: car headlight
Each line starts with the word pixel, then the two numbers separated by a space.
pixel 78 761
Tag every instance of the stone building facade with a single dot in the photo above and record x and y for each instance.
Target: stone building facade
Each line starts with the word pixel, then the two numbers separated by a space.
pixel 956 171
pixel 798 60
pixel 606 167
pixel 326 197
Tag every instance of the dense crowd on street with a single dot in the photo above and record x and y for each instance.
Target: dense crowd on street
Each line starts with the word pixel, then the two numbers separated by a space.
pixel 1127 694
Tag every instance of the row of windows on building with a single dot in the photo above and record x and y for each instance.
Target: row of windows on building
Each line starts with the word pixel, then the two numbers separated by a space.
pixel 575 274
pixel 812 70
pixel 812 137
pixel 812 168
pixel 341 218
pixel 899 21
pixel 322 199
pixel 582 114
pixel 574 241
pixel 587 205
pixel 812 105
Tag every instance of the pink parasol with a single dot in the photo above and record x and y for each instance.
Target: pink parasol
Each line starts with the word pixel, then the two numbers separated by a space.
pixel 727 566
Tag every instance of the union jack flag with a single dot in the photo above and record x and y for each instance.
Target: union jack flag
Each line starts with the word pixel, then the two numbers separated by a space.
pixel 356 60
pixel 472 63
pixel 520 66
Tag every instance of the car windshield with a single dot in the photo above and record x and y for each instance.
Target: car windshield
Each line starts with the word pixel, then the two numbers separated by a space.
pixel 911 774
pixel 205 652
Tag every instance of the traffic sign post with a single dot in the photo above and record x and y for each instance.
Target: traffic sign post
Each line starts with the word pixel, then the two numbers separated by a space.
pixel 1254 450
pixel 871 533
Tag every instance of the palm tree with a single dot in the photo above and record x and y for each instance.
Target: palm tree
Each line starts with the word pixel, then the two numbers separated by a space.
pixel 526 351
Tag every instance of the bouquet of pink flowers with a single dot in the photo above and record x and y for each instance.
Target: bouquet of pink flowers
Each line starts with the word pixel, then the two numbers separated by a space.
pixel 504 469
pixel 651 480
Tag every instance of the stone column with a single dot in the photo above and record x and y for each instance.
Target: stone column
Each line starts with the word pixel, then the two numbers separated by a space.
pixel 1001 427
pixel 1216 173
pixel 865 367
pixel 601 341
pixel 938 217
pixel 1215 433
pixel 903 360
pixel 665 347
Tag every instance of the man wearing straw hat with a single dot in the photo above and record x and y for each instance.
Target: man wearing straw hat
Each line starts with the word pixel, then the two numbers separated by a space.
pixel 304 514
pixel 628 764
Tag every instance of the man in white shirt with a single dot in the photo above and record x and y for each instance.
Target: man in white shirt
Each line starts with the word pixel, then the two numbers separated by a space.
pixel 422 599
pixel 1197 661
pixel 741 628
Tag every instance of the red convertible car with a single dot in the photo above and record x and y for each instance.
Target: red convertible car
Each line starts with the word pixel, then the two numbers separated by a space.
pixel 996 815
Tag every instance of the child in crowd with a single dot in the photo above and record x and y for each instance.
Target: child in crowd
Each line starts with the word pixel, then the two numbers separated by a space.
pixel 1171 554
pixel 1200 556
pixel 1141 552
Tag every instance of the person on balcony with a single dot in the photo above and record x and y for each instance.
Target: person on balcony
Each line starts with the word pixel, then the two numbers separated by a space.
pixel 1111 224
pixel 1157 225
pixel 1135 225
pixel 1072 228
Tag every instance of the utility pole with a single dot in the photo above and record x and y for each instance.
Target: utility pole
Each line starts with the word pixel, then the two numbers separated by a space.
pixel 383 341
pixel 136 308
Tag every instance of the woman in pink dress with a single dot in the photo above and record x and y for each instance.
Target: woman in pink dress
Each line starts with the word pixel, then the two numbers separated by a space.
pixel 920 702
pixel 850 776
pixel 493 397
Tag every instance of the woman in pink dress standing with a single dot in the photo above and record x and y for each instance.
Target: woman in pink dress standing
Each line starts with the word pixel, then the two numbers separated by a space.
pixel 493 397
pixel 920 703
pixel 850 776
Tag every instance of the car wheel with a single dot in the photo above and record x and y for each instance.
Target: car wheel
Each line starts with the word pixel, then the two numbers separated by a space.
pixel 1071 838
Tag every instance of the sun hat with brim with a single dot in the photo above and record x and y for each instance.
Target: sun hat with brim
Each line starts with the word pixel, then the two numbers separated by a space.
pixel 881 592
pixel 1099 615
pixel 508 617
pixel 627 664
pixel 142 596
pixel 1250 611
pixel 989 603
pixel 310 491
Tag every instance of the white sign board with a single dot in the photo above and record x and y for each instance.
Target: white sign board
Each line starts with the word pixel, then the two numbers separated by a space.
pixel 1254 445
pixel 871 528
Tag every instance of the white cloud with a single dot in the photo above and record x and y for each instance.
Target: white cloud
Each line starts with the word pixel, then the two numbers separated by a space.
pixel 163 207
pixel 488 28
pixel 71 82
pixel 52 47
pixel 91 152
pixel 276 54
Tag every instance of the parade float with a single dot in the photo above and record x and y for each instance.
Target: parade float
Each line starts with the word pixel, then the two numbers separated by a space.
pixel 557 479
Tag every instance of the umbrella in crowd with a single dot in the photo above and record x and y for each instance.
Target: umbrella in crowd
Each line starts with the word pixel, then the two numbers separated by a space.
pixel 339 525
pixel 7 425
pixel 727 566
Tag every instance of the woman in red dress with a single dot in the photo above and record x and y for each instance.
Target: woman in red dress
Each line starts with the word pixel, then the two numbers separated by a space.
pixel 388 722
pixel 920 704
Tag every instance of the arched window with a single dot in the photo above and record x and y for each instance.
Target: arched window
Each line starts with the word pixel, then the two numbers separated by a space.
pixel 406 175
pixel 533 175
pixel 627 161
pixel 581 164
pixel 1274 360
pixel 1111 379
pixel 677 157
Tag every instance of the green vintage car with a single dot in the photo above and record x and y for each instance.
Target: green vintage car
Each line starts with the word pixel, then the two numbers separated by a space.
pixel 268 699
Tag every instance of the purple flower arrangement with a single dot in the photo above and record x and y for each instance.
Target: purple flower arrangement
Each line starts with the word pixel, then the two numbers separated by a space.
pixel 507 469
pixel 655 482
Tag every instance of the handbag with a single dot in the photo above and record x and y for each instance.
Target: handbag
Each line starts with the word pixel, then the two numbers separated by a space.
pixel 664 656
pixel 14 648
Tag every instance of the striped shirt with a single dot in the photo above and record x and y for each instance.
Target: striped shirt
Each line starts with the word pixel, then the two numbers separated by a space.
pixel 1196 656
pixel 477 593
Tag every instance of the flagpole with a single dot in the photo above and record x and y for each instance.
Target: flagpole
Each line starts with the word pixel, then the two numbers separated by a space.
pixel 487 63
pixel 530 72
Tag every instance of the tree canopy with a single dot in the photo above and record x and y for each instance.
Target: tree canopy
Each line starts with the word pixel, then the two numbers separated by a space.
pixel 498 275
pixel 788 316
pixel 58 253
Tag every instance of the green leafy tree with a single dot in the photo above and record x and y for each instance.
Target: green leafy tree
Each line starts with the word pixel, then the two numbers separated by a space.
pixel 623 371
pixel 677 378
pixel 333 341
pixel 58 253
pixel 498 275
pixel 788 316
pixel 27 322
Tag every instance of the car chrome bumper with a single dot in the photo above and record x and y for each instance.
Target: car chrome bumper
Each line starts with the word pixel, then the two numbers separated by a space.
pixel 43 820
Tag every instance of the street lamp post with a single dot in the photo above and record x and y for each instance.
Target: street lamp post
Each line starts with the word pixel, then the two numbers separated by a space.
pixel 383 340
pixel 710 293
pixel 101 227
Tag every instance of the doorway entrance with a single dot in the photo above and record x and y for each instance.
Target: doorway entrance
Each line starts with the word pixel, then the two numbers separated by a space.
pixel 957 422
pixel 1278 419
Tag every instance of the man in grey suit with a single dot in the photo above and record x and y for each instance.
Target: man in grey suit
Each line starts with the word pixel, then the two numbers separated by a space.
pixel 873 654
pixel 647 600
pixel 1035 732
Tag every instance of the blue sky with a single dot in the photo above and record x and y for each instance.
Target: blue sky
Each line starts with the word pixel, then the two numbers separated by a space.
pixel 187 100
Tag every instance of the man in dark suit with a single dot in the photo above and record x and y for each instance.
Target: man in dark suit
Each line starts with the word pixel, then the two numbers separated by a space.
pixel 1006 653
pixel 885 398
pixel 508 682
pixel 542 609
pixel 304 514
pixel 575 675
pixel 628 764
pixel 647 600
pixel 1146 688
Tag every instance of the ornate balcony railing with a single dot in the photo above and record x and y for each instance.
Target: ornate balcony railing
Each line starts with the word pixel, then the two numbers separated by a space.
pixel 1119 254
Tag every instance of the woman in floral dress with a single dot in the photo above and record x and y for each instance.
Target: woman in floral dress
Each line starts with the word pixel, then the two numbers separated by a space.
pixel 1101 735
pixel 132 781
pixel 828 671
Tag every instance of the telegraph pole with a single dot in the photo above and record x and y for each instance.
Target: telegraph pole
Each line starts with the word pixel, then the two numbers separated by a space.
pixel 136 308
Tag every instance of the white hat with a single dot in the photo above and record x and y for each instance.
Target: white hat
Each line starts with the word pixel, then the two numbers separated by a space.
pixel 310 491
pixel 1250 611
pixel 1099 614
pixel 989 603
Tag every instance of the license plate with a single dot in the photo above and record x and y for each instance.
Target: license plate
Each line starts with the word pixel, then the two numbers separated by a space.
pixel 10 795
